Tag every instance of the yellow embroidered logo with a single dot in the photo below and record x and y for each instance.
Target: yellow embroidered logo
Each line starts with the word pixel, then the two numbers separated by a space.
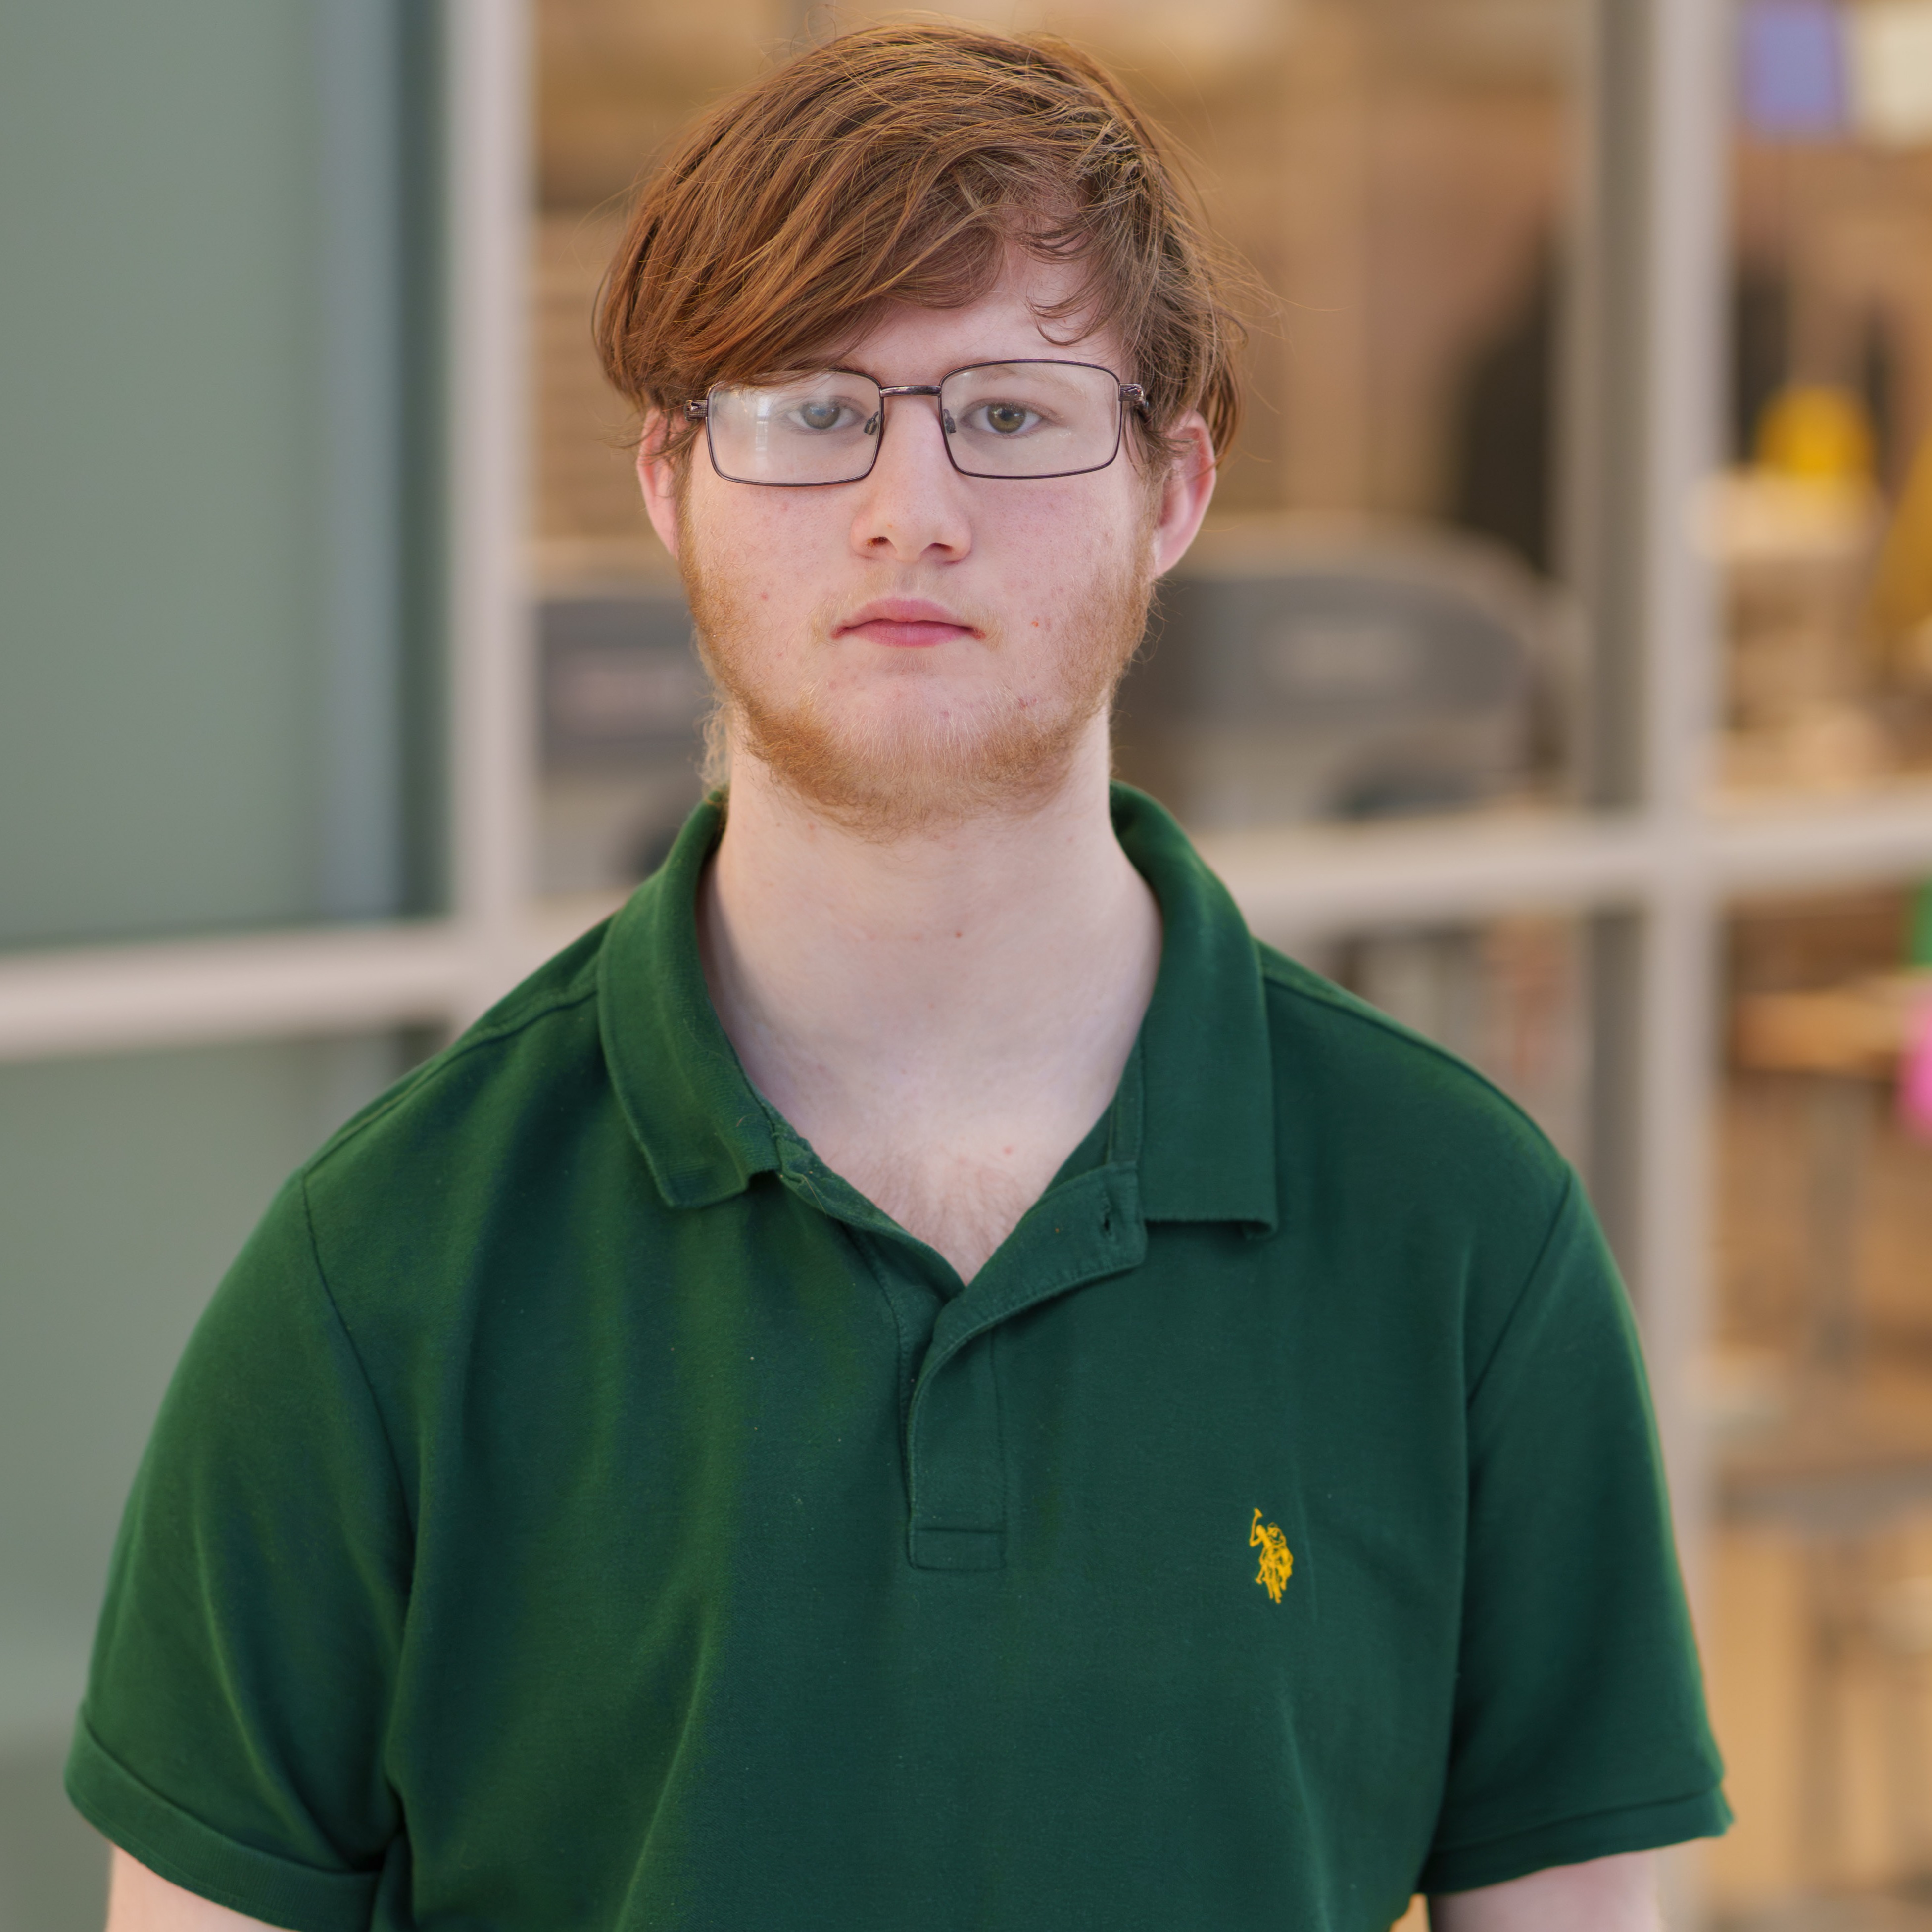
pixel 1276 1563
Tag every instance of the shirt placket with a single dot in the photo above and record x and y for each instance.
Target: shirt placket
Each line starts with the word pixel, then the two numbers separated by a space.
pixel 1082 1230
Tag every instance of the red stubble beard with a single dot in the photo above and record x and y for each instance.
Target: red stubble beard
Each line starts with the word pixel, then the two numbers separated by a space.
pixel 898 771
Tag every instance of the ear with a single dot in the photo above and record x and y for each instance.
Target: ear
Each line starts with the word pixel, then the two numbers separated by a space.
pixel 657 477
pixel 1187 493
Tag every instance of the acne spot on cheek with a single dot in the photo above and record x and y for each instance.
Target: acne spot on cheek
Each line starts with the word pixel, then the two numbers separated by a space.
pixel 764 596
pixel 1036 623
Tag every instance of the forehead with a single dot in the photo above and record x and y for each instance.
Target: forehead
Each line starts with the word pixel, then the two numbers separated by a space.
pixel 904 343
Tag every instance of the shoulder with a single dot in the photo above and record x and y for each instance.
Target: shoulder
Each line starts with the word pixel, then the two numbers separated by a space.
pixel 534 1045
pixel 1379 1122
pixel 1367 1065
pixel 475 1150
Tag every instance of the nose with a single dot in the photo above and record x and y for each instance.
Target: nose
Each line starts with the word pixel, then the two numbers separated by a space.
pixel 913 506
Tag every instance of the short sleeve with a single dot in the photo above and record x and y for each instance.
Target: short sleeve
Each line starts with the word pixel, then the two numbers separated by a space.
pixel 232 1739
pixel 1579 1728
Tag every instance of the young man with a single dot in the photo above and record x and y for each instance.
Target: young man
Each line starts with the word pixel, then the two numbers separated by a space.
pixel 916 1377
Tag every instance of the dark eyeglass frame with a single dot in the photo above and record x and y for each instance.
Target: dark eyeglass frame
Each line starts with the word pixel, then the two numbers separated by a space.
pixel 1128 395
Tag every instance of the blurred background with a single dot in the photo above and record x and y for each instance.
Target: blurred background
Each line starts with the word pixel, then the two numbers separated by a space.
pixel 1556 671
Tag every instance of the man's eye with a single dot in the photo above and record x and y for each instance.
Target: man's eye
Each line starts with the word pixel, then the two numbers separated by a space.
pixel 1007 418
pixel 820 415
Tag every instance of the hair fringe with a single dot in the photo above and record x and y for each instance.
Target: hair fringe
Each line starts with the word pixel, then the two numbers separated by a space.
pixel 899 162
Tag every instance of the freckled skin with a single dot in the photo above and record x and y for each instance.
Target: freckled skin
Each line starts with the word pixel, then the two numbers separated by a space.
pixel 1025 562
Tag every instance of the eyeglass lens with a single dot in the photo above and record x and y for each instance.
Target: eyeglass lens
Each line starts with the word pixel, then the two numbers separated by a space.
pixel 1019 418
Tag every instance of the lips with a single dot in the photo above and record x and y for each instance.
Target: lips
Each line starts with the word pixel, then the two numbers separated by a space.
pixel 905 623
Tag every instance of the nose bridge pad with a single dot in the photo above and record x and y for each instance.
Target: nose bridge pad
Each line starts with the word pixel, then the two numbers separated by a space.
pixel 949 426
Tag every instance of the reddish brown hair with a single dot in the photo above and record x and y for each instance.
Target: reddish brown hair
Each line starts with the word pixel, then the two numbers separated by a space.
pixel 900 163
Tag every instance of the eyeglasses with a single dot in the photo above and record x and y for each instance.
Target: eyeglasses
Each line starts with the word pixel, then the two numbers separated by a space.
pixel 1025 418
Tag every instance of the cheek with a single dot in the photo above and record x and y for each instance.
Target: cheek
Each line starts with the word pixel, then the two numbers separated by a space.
pixel 771 544
pixel 756 533
pixel 764 552
pixel 1050 562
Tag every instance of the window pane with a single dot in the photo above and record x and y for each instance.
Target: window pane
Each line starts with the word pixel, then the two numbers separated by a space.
pixel 209 404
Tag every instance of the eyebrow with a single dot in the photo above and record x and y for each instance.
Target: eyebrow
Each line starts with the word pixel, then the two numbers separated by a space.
pixel 991 362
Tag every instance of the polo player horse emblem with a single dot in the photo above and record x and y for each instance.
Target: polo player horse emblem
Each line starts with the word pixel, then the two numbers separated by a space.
pixel 1277 1562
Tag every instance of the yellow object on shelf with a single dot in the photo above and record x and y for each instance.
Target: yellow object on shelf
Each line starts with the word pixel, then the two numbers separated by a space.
pixel 1815 430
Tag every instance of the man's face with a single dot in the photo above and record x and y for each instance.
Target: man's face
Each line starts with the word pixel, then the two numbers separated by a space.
pixel 921 647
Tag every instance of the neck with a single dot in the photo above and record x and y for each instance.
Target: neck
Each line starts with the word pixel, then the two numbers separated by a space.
pixel 955 935
pixel 979 984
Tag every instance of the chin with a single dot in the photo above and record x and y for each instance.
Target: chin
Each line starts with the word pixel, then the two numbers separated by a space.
pixel 904 763
pixel 919 742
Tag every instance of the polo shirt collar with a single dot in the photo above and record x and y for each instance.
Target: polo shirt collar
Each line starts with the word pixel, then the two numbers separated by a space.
pixel 704 1131
pixel 1206 1143
pixel 1208 1133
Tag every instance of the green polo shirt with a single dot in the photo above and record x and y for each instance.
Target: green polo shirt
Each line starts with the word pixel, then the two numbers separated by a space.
pixel 580 1508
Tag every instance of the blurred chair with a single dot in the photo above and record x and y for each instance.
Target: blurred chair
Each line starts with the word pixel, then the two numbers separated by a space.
pixel 1302 669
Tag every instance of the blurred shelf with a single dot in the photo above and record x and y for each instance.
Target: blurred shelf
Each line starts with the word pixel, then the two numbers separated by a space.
pixel 1852 1455
pixel 1859 1029
pixel 1792 841
pixel 1334 878
pixel 1330 878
